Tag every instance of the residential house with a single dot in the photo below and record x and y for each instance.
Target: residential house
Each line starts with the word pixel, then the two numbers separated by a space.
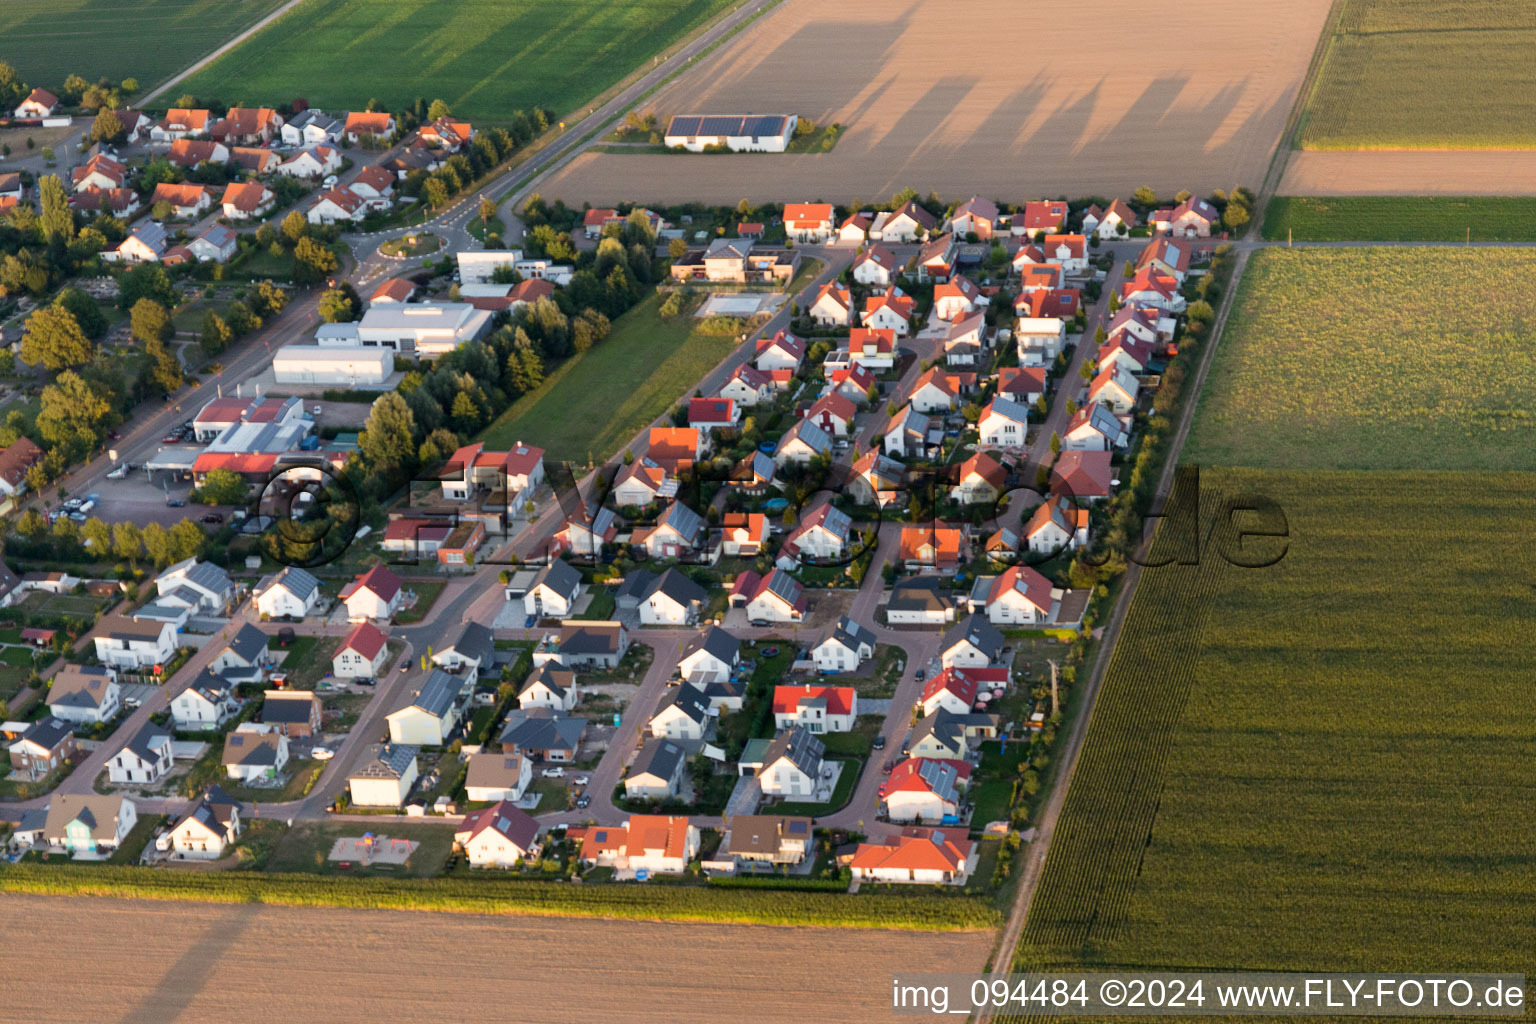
pixel 802 443
pixel 753 475
pixel 1165 256
pixel 1125 352
pixel 907 223
pixel 254 752
pixel 217 244
pixel 1044 217
pixel 1083 475
pixel 84 694
pixel 364 124
pixel 832 307
pixel 245 200
pixel 955 689
pixel 1041 303
pixel 1042 277
pixel 855 382
pixel 496 777
pixel 981 480
pixel 925 789
pixel 1151 287
pixel 957 298
pixel 873 348
pixel 553 592
pixel 1193 218
pixel 363 653
pixel 549 686
pixel 713 414
pixel 99 172
pixel 186 201
pixel 656 772
pixel 293 593
pixel 854 229
pixel 748 386
pixel 1070 252
pixel 473 651
pixel 207 828
pixel 676 449
pixel 315 162
pixel 1056 526
pixel 247 126
pixel 373 596
pixel 932 547
pixel 818 709
pixel 924 856
pixel 1021 385
pixel 38 104
pixel 310 127
pixel 907 434
pixel 808 222
pixel 295 714
pixel 119 202
pixel 432 714
pixel 767 839
pixel 592 644
pixel 42 748
pixel 15 460
pixel 1027 255
pixel 499 836
pixel 889 310
pixel 679 532
pixel 180 123
pixel 876 480
pixel 919 601
pixel 682 714
pixel 337 205
pixel 190 153
pixel 254 159
pixel 473 470
pixel 1095 428
pixel 673 600
pixel 396 289
pixel 976 216
pixel 639 483
pixel 941 735
pixel 1117 221
pixel 202 586
pixel 1114 387
pixel 143 759
pixel 936 391
pixel 88 825
pixel 1004 423
pixel 1020 596
pixel 776 597
pixel 966 340
pixel 205 705
pixel 782 352
pixel 146 243
pixel 542 734
pixel 126 643
pixel 877 267
pixel 792 763
pixel 445 133
pixel 384 777
pixel 1039 340
pixel 976 643
pixel 712 657
pixel 647 842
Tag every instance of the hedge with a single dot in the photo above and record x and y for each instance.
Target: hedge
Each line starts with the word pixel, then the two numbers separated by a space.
pixel 916 911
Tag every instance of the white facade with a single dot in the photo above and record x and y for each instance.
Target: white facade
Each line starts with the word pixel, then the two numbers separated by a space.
pixel 341 365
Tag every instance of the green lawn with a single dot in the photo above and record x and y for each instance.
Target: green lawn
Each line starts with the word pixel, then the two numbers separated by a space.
pixel 1426 74
pixel 486 58
pixel 991 801
pixel 151 40
pixel 595 402
pixel 1401 218
pixel 301 775
pixel 305 848
pixel 1329 770
pixel 1375 359
pixel 427 592
pixel 301 658
pixel 601 606
pixel 841 794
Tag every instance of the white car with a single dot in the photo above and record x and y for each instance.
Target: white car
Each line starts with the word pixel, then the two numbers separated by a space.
pixel 581 780
pixel 553 773
pixel 322 753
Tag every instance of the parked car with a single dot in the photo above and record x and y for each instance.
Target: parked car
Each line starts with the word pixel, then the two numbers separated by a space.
pixel 879 743
pixel 213 517
pixel 583 800
pixel 581 780
pixel 920 675
pixel 175 503
pixel 118 473
pixel 322 753
pixel 553 773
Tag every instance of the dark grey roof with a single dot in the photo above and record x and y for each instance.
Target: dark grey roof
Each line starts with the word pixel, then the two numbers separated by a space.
pixel 437 694
pixel 286 710
pixel 387 761
pixel 211 685
pixel 688 523
pixel 943 725
pixel 717 642
pixel 146 745
pixel 590 638
pixel 247 644
pixel 735 125
pixel 679 588
pixel 804 750
pixel 209 577
pixel 48 732
pixel 721 691
pixel 850 634
pixel 657 757
pixel 561 577
pixel 686 698
pixel 204 815
pixel 986 637
pixel 637 584
pixel 542 729
pixel 918 594
pixel 551 675
pixel 296 581
pixel 475 642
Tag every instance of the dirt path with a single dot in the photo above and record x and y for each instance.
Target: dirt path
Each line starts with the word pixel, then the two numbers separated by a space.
pixel 963 120
pixel 1488 172
pixel 163 962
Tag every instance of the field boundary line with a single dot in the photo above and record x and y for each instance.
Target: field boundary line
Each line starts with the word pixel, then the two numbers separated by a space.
pixel 220 51
pixel 1291 133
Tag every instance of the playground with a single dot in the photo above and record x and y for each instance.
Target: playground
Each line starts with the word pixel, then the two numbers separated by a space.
pixel 369 850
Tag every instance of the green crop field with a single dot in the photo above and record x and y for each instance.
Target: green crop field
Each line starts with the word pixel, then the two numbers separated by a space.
pixel 595 402
pixel 1322 765
pixel 486 58
pixel 1401 218
pixel 151 40
pixel 1426 74
pixel 1375 359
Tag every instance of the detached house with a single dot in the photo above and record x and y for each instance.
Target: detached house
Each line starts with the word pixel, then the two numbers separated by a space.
pixel 877 266
pixel 680 532
pixel 201 586
pixel 981 480
pixel 1114 387
pixel 932 547
pixel 432 714
pixel 39 103
pixel 832 307
pixel 293 593
pixel 906 224
pixel 549 686
pixel 91 826
pixel 362 654
pixel 870 348
pixel 186 201
pixel 676 449
pixel 925 789
pixel 748 386
pixel 647 842
pixel 99 172
pixel 1056 526
pixel 208 827
pixel 126 643
pixel 876 480
pixel 84 695
pixel 965 341
pixel 936 391
pixel 145 758
pixel 907 434
pixel 957 298
pixel 802 443
pixel 553 592
pixel 1004 423
pixel 205 705
pixel 776 597
pixel 833 414
pixel 291 713
pixel 792 763
pixel 1084 475
pixel 656 772
pixel 809 222
pixel 682 714
pixel 385 776
pixel 42 748
pixel 496 777
pixel 889 310
pixel 473 651
pixel 254 752
pixel 179 123
pixel 245 200
pixel 976 216
pixel 783 351
pixel 955 689
pixel 1095 428
pixel 817 708
pixel 710 658
pixel 1020 596
pixel 673 600
pixel 362 124
pixel 936 259
pixel 924 856
pixel 1045 217
pixel 845 648
pixel 1193 218
pixel 373 596
pixel 823 535
pixel 1116 221
pixel 315 162
pixel 1021 385
pixel 975 643
pixel 499 836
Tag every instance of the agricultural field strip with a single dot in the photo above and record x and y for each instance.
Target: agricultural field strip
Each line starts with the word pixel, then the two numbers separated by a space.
pixel 1446 219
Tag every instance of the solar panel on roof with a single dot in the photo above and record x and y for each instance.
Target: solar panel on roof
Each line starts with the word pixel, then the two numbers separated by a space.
pixel 797 828
pixel 684 126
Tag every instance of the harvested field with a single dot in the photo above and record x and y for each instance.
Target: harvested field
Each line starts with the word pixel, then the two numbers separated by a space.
pixel 1486 172
pixel 960 120
pixel 154 962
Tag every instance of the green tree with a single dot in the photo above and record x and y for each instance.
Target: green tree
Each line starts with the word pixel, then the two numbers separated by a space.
pixel 438 109
pixel 465 413
pixel 295 227
pixel 1145 196
pixel 54 339
pixel 487 210
pixel 1055 444
pixel 215 335
pixel 32 525
pixel 97 534
pixel 1235 217
pixel 129 86
pixel 340 305
pixel 389 436
pixel 58 222
pixel 157 544
pixel 150 321
pixel 108 127
pixel 435 192
pixel 127 540
pixel 187 540
pixel 677 248
pixel 145 281
pixel 269 300
pixel 312 261
pixel 164 371
pixel 241 320
pixel 223 487
pixel 84 309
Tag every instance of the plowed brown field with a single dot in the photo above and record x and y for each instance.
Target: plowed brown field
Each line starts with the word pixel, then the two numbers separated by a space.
pixel 1484 172
pixel 998 97
pixel 141 962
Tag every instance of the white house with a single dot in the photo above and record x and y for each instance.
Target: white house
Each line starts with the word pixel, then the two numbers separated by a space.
pixel 776 597
pixel 202 586
pixel 683 714
pixel 832 307
pixel 385 776
pixel 818 709
pixel 1115 387
pixel 373 596
pixel 497 777
pixel 925 789
pixel 739 133
pixel 553 592
pixel 647 842
pixel 315 162
pixel 792 764
pixel 84 694
pixel 207 704
pixel 126 643
pixel 844 648
pixel 1019 596
pixel 673 600
pixel 499 836
pixel 920 856
pixel 293 593
pixel 432 714
pixel 710 658
pixel 1057 526
pixel 935 391
pixel 472 651
pixel 145 758
pixel 877 267
pixel 1039 339
pixel 549 686
pixel 254 752
pixel 362 654
pixel 823 535
pixel 245 657
pixel 1003 424
pixel 310 127
pixel 802 443
pixel 809 222
pixel 336 205
pixel 208 827
pixel 974 643
pixel 1095 428
pixel 656 772
pixel 88 825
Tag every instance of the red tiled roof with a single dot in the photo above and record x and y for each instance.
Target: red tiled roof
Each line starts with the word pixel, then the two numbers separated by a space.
pixel 383 583
pixel 787 699
pixel 916 849
pixel 366 639
pixel 807 214
pixel 396 289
